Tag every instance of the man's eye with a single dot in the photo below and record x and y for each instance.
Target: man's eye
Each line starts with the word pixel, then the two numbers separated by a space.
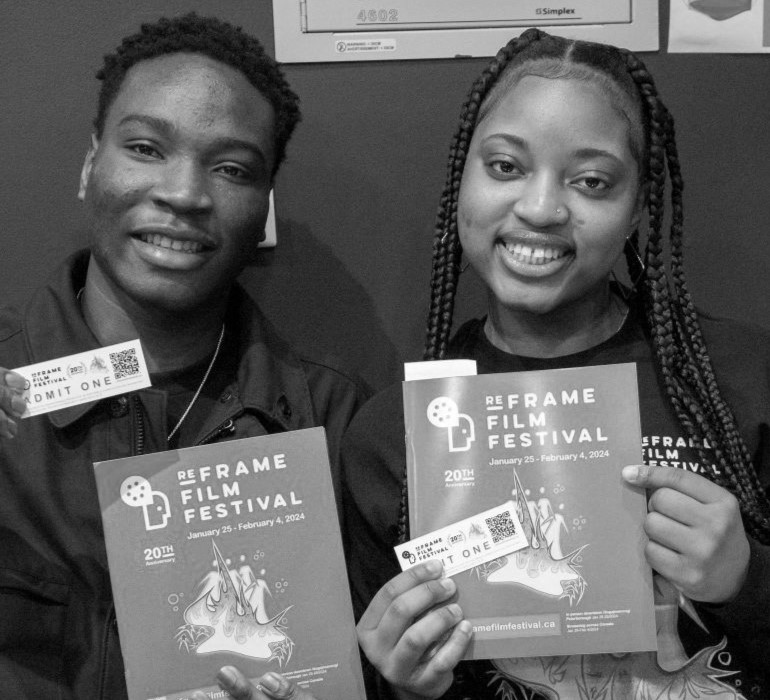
pixel 234 171
pixel 144 149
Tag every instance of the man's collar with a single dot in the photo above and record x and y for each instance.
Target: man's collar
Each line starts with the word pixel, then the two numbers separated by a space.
pixel 54 325
pixel 271 380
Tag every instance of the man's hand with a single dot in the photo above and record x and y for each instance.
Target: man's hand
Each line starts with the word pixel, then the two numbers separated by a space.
pixel 12 404
pixel 270 686
pixel 412 634
pixel 697 540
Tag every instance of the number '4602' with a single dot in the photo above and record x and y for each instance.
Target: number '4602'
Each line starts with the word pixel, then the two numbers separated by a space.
pixel 381 15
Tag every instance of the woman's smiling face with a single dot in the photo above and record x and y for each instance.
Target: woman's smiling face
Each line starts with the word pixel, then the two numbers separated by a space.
pixel 549 193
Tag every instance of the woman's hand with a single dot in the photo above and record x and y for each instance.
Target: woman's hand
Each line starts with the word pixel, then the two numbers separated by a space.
pixel 697 540
pixel 411 633
pixel 270 686
pixel 12 405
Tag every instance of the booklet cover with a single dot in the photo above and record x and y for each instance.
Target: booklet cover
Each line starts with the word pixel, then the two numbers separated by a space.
pixel 229 553
pixel 554 442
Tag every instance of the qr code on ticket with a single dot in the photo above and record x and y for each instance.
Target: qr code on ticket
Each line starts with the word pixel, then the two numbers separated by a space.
pixel 124 363
pixel 501 526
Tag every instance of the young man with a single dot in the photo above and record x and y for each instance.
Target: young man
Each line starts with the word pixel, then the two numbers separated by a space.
pixel 192 124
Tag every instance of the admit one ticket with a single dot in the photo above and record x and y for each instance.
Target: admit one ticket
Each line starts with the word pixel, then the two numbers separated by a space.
pixel 467 543
pixel 83 377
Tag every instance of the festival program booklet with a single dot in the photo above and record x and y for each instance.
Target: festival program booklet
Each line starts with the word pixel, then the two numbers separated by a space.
pixel 229 554
pixel 552 442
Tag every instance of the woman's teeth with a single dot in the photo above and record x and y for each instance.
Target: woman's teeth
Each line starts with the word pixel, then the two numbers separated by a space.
pixel 171 243
pixel 534 255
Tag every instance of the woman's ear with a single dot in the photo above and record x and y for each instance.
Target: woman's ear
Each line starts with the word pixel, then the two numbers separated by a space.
pixel 85 171
pixel 639 205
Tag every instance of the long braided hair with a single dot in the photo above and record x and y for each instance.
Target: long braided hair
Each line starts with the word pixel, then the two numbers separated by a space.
pixel 682 358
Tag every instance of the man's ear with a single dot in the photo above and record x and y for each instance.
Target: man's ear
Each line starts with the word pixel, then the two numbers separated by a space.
pixel 85 172
pixel 268 237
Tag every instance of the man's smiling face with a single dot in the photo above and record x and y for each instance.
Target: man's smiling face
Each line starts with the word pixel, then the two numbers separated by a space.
pixel 176 188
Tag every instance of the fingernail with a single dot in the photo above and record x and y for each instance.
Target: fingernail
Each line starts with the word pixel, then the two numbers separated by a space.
pixel 465 627
pixel 455 609
pixel 630 473
pixel 270 681
pixel 447 584
pixel 433 566
pixel 227 676
pixel 15 381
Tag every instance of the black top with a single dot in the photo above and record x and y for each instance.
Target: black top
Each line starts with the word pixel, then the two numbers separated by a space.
pixel 727 659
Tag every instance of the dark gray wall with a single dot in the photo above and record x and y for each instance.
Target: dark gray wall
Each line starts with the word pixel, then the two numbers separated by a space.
pixel 357 196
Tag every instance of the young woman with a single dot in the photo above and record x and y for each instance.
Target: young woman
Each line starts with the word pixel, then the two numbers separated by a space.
pixel 561 148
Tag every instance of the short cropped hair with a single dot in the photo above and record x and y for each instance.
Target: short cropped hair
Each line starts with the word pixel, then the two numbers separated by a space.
pixel 216 39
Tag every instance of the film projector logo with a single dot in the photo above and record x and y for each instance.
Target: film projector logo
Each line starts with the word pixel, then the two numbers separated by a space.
pixel 443 413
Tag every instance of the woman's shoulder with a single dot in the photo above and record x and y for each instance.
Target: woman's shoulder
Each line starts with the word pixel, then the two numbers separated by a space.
pixel 386 408
pixel 731 340
pixel 466 338
pixel 380 421
pixel 740 356
pixel 385 403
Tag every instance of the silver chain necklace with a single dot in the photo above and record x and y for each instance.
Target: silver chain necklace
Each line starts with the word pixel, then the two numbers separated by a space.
pixel 79 296
pixel 200 386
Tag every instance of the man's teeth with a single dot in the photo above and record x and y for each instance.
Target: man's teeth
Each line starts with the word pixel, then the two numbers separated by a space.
pixel 166 242
pixel 534 255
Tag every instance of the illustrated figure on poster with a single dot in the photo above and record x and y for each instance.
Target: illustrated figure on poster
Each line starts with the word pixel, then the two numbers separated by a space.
pixel 540 566
pixel 230 616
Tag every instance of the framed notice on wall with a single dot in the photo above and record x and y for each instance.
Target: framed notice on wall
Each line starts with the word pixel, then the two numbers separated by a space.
pixel 375 30
pixel 719 26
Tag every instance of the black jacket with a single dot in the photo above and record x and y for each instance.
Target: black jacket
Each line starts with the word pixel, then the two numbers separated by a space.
pixel 58 636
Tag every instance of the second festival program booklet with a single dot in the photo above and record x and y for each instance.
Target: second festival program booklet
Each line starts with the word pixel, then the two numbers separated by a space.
pixel 229 554
pixel 553 442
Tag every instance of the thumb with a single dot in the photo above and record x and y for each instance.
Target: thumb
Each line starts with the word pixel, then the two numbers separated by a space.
pixel 636 474
pixel 274 685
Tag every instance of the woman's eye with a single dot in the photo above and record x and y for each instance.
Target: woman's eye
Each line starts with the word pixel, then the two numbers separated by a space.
pixel 503 167
pixel 594 184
